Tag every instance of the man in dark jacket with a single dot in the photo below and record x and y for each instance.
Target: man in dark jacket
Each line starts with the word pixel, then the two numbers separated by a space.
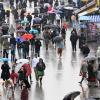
pixel 37 47
pixel 85 50
pixel 29 18
pixel 13 41
pixel 73 39
pixel 25 47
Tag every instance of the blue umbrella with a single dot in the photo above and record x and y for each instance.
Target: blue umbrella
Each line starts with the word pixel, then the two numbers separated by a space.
pixel 4 59
pixel 19 39
pixel 34 31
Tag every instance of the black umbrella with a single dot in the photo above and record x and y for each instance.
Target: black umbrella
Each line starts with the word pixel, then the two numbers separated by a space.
pixel 72 95
pixel 58 39
pixel 50 26
pixel 46 26
pixel 5 27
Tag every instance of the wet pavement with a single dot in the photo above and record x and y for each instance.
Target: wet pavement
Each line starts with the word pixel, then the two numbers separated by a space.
pixel 61 75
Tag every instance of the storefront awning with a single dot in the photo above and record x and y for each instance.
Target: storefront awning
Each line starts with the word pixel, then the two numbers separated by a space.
pixel 86 7
pixel 88 11
pixel 91 18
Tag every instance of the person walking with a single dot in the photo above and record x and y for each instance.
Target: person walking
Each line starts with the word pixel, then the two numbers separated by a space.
pixel 37 47
pixel 83 70
pixel 82 40
pixel 35 60
pixel 12 54
pixel 29 18
pixel 60 47
pixel 5 74
pixel 6 45
pixel 24 93
pixel 25 47
pixel 46 36
pixel 40 67
pixel 13 42
pixel 14 77
pixel 73 39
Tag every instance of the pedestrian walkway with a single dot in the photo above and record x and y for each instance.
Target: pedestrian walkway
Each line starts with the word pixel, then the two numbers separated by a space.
pixel 61 75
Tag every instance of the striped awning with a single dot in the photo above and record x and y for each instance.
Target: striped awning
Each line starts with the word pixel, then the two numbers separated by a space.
pixel 91 18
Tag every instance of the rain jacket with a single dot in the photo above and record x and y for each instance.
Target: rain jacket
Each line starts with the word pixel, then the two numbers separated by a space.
pixel 28 69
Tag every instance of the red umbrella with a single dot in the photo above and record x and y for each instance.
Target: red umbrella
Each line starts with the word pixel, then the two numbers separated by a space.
pixel 27 36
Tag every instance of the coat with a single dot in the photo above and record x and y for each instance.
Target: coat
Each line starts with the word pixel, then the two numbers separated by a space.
pixel 24 94
pixel 73 38
pixel 40 69
pixel 28 69
pixel 37 45
pixel 14 77
pixel 5 72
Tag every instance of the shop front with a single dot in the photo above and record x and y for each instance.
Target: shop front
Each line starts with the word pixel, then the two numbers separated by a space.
pixel 89 20
pixel 90 26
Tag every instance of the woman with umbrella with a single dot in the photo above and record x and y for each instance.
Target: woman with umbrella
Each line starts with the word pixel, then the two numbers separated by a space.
pixel 5 75
pixel 59 44
pixel 40 67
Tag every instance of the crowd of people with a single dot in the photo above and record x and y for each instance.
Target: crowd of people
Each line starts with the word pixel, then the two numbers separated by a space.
pixel 44 25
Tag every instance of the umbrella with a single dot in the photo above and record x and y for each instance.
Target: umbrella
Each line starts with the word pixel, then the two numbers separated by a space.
pixel 34 31
pixel 18 20
pixel 47 5
pixel 5 27
pixel 60 7
pixel 5 24
pixel 50 26
pixel 27 36
pixel 46 26
pixel 20 63
pixel 4 59
pixel 6 36
pixel 27 68
pixel 24 21
pixel 38 38
pixel 19 39
pixel 69 8
pixel 90 57
pixel 71 95
pixel 21 31
pixel 58 39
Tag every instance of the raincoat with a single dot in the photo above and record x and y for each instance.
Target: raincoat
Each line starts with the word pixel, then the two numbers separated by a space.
pixel 28 69
pixel 5 72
